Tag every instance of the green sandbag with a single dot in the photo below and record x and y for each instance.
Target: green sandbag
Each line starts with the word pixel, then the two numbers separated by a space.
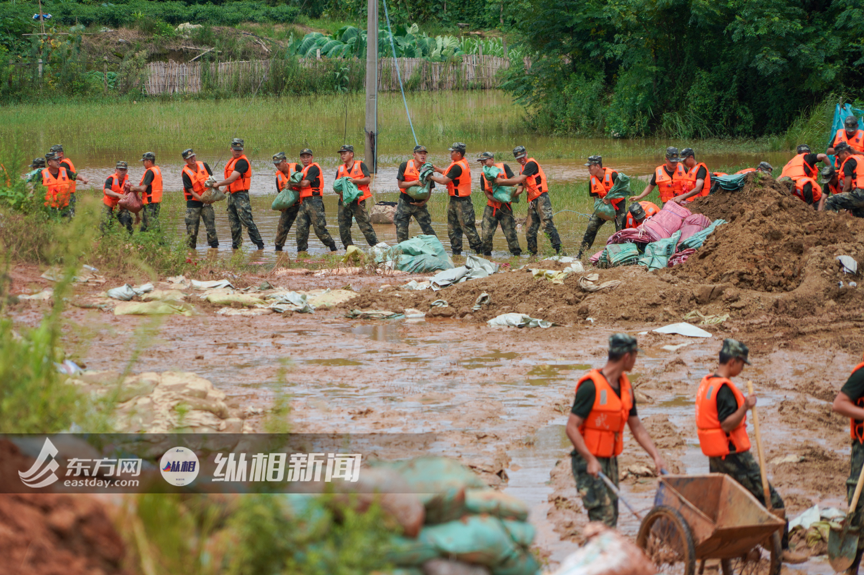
pixel 285 199
pixel 657 253
pixel 521 532
pixel 495 503
pixel 505 194
pixel 348 189
pixel 418 193
pixel 520 563
pixel 604 211
pixel 421 254
pixel 620 189
pixel 475 539
pixel 405 552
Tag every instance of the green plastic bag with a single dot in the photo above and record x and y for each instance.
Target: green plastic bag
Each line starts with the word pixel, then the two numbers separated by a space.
pixel 348 189
pixel 495 503
pixel 285 199
pixel 500 193
pixel 475 539
pixel 621 189
pixel 419 193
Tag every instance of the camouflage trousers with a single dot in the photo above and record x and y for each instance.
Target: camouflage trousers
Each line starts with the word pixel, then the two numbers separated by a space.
pixel 312 214
pixel 540 213
pixel 347 213
pixel 69 212
pixel 150 217
pixel 743 468
pixel 596 222
pixel 405 210
pixel 286 220
pixel 109 215
pixel 600 503
pixel 193 220
pixel 852 201
pixel 856 460
pixel 460 219
pixel 491 218
pixel 240 214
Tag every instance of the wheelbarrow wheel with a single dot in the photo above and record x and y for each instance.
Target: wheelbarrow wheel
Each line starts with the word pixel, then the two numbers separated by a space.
pixel 763 559
pixel 666 539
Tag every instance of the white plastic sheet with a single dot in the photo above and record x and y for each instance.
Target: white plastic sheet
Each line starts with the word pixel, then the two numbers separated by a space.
pixel 518 320
pixel 683 328
pixel 127 292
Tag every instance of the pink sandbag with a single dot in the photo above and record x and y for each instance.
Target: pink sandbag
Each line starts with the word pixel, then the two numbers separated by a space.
pixel 667 221
pixel 596 257
pixel 692 224
pixel 629 236
pixel 681 257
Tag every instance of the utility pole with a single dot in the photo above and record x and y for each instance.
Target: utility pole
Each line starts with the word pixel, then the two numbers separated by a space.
pixel 372 86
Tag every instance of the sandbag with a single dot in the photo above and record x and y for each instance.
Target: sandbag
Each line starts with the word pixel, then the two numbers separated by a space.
pixel 495 503
pixel 621 189
pixel 692 224
pixel 697 239
pixel 504 194
pixel 657 253
pixel 476 539
pixel 405 552
pixel 347 189
pixel 667 221
pixel 605 552
pixel 213 195
pixel 130 201
pixel 418 193
pixel 285 199
pixel 383 213
pixel 153 308
pixel 620 255
pixel 520 563
pixel 420 254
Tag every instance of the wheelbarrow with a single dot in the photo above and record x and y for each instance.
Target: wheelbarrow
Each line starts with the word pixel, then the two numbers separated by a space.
pixel 701 517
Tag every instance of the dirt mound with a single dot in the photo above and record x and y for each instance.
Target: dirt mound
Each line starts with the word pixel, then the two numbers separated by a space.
pixel 773 242
pixel 52 533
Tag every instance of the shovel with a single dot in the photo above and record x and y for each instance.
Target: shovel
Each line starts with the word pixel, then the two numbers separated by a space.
pixel 763 471
pixel 617 493
pixel 843 542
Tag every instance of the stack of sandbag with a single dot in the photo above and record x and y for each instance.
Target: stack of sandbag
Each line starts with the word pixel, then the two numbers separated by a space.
pixel 465 523
pixel 615 255
pixel 657 253
pixel 666 222
pixel 693 224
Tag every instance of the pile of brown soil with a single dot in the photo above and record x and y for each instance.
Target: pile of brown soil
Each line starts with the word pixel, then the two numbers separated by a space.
pixel 53 533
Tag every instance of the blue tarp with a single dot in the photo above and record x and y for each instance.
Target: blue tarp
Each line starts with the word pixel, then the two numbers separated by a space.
pixel 840 115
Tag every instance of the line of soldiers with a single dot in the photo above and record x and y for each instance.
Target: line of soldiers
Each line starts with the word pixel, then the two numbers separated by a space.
pixel 604 405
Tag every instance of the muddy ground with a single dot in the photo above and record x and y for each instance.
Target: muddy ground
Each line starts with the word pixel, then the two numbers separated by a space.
pixel 498 398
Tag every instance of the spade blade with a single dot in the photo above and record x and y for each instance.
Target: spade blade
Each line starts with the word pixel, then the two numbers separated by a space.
pixel 842 546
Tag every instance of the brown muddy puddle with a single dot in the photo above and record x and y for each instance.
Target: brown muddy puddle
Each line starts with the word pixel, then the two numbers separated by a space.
pixel 496 398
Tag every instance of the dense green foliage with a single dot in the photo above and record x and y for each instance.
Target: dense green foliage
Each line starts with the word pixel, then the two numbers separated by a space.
pixel 689 68
pixel 482 14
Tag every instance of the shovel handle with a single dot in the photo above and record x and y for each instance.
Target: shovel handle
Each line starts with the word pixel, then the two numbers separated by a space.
pixel 617 493
pixel 857 493
pixel 763 472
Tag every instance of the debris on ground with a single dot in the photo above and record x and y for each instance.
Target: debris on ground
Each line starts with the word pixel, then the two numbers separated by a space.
pixel 291 301
pixel 605 552
pixel 683 328
pixel 154 308
pixel 86 275
pixel 706 319
pixel 373 314
pixel 474 268
pixel 127 292
pixel 44 295
pixel 214 284
pixel 518 320
pixel 590 283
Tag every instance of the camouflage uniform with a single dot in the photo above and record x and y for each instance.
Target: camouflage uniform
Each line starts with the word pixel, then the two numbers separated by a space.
pixel 193 219
pixel 856 460
pixel 852 201
pixel 240 214
pixel 404 211
pixel 150 217
pixel 596 222
pixel 540 212
pixel 109 215
pixel 491 218
pixel 312 214
pixel 460 219
pixel 286 220
pixel 597 499
pixel 356 209
pixel 69 212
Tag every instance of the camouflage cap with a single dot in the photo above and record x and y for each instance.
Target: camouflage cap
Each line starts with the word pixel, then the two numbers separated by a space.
pixel 57 148
pixel 842 147
pixel 279 158
pixel 765 167
pixel 802 149
pixel 237 144
pixel 672 154
pixel 595 161
pixel 458 147
pixel 621 343
pixel 148 156
pixel 688 153
pixel 637 211
pixel 51 156
pixel 121 165
pixel 851 122
pixel 306 152
pixel 826 174
pixel 735 349
pixel 346 148
pixel 188 153
pixel 38 163
pixel 519 152
pixel 419 148
pixel 485 156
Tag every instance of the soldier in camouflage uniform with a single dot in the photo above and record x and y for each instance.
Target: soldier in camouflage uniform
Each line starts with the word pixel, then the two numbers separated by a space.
pixel 497 212
pixel 850 402
pixel 238 178
pixel 721 422
pixel 360 176
pixel 533 179
pixel 604 405
pixel 284 171
pixel 460 211
pixel 407 177
pixel 312 210
pixel 194 176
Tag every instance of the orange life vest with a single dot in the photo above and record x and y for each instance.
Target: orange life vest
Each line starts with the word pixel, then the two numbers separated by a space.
pixel 70 169
pixel 57 189
pixel 856 142
pixel 798 168
pixel 282 180
pixel 356 172
pixel 718 174
pixel 603 429
pixel 488 187
pixel 536 184
pixel 650 209
pixel 601 186
pixel 856 427
pixel 310 191
pixel 669 187
pixel 712 439
pixel 197 178
pixel 461 186
pixel 856 175
pixel 798 192
pixel 242 183
pixel 744 171
pixel 691 181
pixel 117 188
pixel 835 189
pixel 155 186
